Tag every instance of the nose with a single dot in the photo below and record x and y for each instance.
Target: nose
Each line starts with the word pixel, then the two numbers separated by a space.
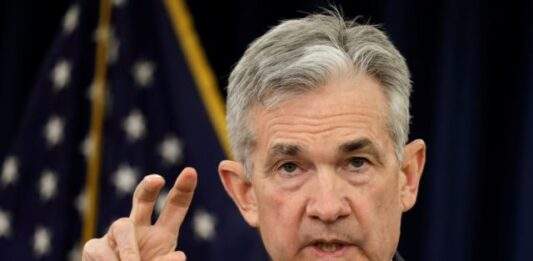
pixel 328 202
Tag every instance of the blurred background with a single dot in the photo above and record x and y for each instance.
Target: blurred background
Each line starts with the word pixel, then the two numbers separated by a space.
pixel 472 71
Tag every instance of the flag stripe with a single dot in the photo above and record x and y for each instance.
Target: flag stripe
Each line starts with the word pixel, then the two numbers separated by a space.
pixel 97 118
pixel 200 69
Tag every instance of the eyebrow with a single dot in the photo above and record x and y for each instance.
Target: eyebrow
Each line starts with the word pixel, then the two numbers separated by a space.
pixel 281 150
pixel 285 150
pixel 361 145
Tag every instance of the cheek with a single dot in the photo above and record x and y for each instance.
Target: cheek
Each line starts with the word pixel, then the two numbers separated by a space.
pixel 375 200
pixel 387 194
pixel 271 206
pixel 278 221
pixel 382 217
pixel 388 206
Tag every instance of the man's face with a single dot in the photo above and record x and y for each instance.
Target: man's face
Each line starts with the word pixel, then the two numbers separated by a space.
pixel 325 176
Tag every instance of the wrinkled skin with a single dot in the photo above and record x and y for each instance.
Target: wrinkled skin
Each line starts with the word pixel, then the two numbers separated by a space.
pixel 326 182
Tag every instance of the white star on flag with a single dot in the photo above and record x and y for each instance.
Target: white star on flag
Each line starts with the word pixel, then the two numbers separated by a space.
pixel 125 179
pixel 160 203
pixel 75 253
pixel 101 33
pixel 93 91
pixel 113 48
pixel 87 147
pixel 134 125
pixel 70 22
pixel 81 203
pixel 53 131
pixel 41 241
pixel 5 224
pixel 9 171
pixel 204 225
pixel 171 150
pixel 47 185
pixel 118 3
pixel 107 33
pixel 143 73
pixel 61 75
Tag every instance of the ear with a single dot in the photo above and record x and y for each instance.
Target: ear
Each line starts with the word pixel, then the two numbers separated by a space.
pixel 232 175
pixel 411 171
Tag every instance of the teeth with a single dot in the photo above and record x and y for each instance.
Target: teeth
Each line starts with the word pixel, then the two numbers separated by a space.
pixel 328 247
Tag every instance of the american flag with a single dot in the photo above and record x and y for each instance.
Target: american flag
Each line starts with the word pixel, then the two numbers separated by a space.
pixel 142 63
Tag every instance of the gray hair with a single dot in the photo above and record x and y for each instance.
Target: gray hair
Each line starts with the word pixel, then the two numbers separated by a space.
pixel 304 54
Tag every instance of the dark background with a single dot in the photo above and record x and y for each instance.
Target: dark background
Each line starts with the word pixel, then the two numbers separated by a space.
pixel 472 69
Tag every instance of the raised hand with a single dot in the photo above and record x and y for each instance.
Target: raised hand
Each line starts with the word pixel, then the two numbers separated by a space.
pixel 135 237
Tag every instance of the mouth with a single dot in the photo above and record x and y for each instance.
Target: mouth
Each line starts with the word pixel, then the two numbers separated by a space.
pixel 329 248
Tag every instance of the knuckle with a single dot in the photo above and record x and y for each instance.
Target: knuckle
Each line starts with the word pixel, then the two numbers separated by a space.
pixel 127 250
pixel 93 248
pixel 121 223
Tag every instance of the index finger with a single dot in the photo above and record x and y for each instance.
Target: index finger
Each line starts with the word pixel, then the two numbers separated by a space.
pixel 178 201
pixel 144 199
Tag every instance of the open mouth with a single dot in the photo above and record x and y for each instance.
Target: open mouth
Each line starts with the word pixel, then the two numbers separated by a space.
pixel 324 248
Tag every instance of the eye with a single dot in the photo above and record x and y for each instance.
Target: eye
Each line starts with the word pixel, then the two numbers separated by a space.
pixel 289 169
pixel 357 163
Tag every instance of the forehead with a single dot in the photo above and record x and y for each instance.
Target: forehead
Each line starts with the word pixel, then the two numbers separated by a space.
pixel 352 107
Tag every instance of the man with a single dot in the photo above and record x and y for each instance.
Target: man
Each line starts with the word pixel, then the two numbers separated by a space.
pixel 318 116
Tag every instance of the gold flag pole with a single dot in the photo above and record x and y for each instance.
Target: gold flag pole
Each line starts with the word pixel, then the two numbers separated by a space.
pixel 98 89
